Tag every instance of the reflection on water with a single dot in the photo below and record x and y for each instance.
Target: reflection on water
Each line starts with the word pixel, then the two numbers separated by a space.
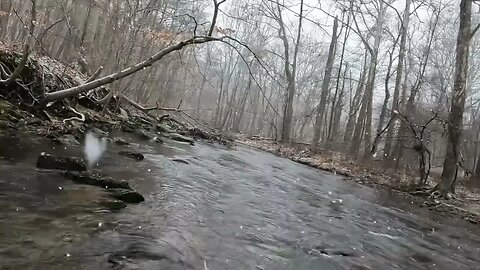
pixel 239 209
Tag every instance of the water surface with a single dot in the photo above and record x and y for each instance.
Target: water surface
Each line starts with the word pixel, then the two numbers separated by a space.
pixel 228 209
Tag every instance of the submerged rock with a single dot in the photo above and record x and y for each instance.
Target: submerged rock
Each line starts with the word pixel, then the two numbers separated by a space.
pixel 95 179
pixel 126 195
pixel 132 155
pixel 322 250
pixel 113 204
pixel 157 139
pixel 121 142
pixel 47 161
pixel 180 161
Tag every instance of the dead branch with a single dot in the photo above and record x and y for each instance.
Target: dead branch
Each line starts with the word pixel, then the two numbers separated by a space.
pixel 81 118
pixel 44 32
pixel 147 109
pixel 420 146
pixel 126 72
pixel 95 75
pixel 474 31
pixel 379 135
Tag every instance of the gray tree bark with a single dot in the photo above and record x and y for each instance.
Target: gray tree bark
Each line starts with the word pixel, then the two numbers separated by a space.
pixel 319 121
pixel 455 118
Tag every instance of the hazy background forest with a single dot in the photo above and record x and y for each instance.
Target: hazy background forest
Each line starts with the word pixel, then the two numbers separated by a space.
pixel 373 79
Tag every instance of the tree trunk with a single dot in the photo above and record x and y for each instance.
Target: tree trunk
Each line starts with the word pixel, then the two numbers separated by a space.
pixel 359 126
pixel 356 102
pixel 383 113
pixel 290 73
pixel 338 109
pixel 371 79
pixel 124 73
pixel 398 80
pixel 455 118
pixel 318 127
pixel 337 97
pixel 5 8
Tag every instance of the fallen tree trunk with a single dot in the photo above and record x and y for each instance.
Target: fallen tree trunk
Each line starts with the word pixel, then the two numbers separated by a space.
pixel 48 97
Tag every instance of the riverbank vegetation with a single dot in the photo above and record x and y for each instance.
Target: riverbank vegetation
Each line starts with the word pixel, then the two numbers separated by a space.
pixel 378 83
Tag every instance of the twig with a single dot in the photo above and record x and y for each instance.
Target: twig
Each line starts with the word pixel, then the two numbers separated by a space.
pixel 95 75
pixel 82 116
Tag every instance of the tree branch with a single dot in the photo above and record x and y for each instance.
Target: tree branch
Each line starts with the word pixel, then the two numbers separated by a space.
pixel 95 75
pixel 216 6
pixel 126 72
pixel 474 31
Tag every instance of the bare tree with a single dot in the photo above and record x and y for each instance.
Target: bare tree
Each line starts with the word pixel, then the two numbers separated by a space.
pixel 455 118
pixel 321 108
pixel 398 80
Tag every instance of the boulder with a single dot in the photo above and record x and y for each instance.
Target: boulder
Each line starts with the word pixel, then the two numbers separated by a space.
pixel 132 155
pixel 95 179
pixel 126 195
pixel 47 161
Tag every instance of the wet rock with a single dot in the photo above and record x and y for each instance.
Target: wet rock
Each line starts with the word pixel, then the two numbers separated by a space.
pixel 180 161
pixel 421 258
pixel 163 127
pixel 116 260
pixel 126 195
pixel 180 138
pixel 47 161
pixel 113 204
pixel 143 135
pixel 121 142
pixel 157 140
pixel 138 251
pixel 323 250
pixel 95 179
pixel 67 139
pixel 132 155
pixel 337 252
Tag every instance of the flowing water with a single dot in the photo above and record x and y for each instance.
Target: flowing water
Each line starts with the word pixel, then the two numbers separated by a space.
pixel 226 209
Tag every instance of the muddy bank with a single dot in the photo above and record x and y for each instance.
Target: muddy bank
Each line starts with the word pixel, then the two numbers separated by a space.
pixel 465 205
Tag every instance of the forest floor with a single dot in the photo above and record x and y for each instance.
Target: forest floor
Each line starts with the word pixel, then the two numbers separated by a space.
pixel 373 174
